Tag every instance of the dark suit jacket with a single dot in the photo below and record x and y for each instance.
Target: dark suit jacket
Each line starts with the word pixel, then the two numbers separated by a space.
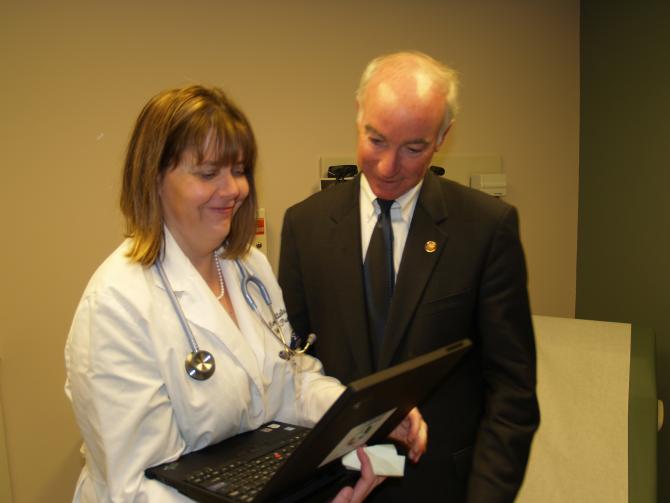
pixel 481 420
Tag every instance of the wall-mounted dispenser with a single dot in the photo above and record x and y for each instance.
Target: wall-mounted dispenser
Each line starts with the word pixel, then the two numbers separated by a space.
pixel 491 183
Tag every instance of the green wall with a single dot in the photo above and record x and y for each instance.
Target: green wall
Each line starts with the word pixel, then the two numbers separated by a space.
pixel 623 271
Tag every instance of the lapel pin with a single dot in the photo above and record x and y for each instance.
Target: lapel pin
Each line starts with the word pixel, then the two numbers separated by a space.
pixel 430 246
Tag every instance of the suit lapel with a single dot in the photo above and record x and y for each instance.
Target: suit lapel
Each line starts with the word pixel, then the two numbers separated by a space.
pixel 347 271
pixel 417 264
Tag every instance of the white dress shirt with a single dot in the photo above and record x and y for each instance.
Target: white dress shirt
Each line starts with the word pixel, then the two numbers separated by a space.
pixel 402 212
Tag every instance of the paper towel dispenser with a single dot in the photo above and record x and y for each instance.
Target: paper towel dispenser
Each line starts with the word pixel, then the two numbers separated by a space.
pixel 491 183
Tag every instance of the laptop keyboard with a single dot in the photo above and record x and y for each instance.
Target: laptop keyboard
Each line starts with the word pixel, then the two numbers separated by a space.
pixel 242 480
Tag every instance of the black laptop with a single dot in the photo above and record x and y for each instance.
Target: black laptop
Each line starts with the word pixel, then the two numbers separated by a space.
pixel 286 463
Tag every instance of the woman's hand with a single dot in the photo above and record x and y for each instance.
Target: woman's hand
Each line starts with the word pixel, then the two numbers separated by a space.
pixel 413 432
pixel 366 483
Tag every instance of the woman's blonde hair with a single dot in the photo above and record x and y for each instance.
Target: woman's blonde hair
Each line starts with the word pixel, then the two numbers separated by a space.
pixel 194 118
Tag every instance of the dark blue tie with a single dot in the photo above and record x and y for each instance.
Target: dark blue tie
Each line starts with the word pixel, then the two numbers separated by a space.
pixel 379 274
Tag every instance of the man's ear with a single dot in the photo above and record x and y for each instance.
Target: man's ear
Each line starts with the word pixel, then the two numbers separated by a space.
pixel 440 140
pixel 358 113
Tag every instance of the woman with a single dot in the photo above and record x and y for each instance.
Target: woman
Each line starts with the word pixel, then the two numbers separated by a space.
pixel 189 201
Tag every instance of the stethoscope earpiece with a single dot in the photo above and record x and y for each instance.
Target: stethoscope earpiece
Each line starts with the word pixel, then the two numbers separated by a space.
pixel 200 365
pixel 288 353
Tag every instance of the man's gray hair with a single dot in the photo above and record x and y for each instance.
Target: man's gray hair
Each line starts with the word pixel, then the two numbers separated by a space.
pixel 399 63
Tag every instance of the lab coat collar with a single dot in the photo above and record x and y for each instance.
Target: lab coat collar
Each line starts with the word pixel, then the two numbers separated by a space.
pixel 179 269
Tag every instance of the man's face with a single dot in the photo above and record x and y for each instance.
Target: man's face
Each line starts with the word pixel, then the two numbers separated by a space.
pixel 398 132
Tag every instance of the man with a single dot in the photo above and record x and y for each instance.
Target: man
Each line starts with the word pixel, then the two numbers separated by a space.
pixel 458 271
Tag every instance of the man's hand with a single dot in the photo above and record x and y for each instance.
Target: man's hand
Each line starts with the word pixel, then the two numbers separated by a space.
pixel 365 484
pixel 413 432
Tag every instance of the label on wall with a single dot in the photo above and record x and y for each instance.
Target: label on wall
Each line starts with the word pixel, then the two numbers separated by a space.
pixel 260 240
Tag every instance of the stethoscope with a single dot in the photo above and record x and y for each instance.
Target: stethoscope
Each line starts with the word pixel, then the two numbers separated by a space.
pixel 200 364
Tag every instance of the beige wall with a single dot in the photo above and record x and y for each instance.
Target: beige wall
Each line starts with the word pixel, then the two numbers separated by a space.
pixel 75 75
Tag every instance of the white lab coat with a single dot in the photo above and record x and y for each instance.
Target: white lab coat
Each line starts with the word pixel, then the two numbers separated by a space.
pixel 135 405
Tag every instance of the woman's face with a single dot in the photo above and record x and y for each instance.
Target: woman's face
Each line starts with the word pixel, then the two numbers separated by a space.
pixel 200 200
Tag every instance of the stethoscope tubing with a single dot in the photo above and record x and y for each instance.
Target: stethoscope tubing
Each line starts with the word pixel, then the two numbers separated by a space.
pixel 177 307
pixel 272 326
pixel 245 279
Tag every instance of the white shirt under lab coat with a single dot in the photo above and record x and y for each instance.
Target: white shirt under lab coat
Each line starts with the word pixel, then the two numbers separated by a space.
pixel 135 405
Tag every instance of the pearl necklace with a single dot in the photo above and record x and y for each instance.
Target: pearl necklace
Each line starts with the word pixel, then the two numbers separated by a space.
pixel 222 287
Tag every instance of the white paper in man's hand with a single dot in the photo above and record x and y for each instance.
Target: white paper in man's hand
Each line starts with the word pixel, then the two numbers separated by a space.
pixel 384 458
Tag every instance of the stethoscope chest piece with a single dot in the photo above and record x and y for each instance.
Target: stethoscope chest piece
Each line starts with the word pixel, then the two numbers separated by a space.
pixel 200 365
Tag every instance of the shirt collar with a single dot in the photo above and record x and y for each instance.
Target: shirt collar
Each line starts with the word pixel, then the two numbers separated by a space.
pixel 402 207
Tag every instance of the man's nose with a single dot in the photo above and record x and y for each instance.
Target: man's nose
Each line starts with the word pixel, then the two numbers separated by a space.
pixel 387 163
